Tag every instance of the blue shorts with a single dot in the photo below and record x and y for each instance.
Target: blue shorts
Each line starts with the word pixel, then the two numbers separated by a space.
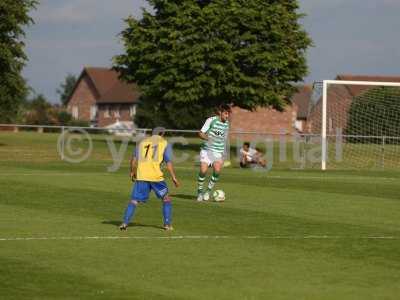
pixel 141 190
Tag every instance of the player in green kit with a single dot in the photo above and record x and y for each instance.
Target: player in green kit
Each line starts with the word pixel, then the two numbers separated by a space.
pixel 214 133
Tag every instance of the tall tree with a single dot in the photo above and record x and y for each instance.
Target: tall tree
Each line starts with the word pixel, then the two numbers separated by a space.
pixel 14 15
pixel 66 88
pixel 196 52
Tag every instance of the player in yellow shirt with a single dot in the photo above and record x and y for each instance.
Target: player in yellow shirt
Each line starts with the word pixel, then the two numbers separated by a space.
pixel 145 169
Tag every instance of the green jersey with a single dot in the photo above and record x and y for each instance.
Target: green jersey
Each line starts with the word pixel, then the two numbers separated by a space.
pixel 217 132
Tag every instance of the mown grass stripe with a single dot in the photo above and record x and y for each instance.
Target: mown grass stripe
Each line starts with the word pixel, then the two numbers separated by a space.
pixel 200 237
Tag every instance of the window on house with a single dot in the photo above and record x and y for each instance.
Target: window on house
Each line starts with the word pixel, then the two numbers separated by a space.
pixel 75 112
pixel 132 110
pixel 106 112
pixel 330 125
pixel 299 125
pixel 116 112
pixel 93 112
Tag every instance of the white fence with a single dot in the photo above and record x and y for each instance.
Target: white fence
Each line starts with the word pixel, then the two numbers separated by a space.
pixel 284 151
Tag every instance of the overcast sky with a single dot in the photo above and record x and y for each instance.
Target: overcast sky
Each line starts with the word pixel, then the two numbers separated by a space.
pixel 350 36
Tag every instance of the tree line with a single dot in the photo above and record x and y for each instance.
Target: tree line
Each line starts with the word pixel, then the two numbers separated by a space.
pixel 186 56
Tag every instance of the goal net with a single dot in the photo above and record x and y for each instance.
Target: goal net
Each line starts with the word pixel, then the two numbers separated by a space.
pixel 359 124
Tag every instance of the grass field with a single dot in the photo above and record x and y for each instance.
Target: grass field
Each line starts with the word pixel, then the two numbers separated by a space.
pixel 284 234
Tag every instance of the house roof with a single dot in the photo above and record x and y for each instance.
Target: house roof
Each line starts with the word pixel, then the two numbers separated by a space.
pixel 350 91
pixel 302 99
pixel 109 88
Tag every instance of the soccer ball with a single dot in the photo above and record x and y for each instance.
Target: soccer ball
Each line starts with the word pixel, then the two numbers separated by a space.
pixel 219 195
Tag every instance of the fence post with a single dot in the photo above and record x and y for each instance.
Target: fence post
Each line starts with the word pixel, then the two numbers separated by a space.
pixel 303 152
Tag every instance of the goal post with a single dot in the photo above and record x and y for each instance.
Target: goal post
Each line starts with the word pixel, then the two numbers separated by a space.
pixel 324 149
pixel 367 116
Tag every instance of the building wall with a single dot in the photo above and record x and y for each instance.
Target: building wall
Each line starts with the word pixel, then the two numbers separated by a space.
pixel 263 120
pixel 108 114
pixel 338 104
pixel 83 98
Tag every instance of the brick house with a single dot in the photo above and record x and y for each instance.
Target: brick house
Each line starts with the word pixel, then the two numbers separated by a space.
pixel 263 121
pixel 339 100
pixel 101 99
pixel 271 121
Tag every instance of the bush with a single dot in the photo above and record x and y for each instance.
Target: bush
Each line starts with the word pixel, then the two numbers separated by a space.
pixel 78 123
pixel 64 118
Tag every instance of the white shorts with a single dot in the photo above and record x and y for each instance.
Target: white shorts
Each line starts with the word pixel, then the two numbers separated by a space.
pixel 210 157
pixel 249 158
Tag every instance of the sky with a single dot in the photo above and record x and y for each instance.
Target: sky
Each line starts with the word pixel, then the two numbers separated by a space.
pixel 350 37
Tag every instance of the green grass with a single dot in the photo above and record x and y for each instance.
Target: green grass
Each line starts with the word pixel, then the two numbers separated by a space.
pixel 280 235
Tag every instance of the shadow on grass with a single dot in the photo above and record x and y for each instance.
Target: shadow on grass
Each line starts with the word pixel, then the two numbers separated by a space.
pixel 183 196
pixel 133 224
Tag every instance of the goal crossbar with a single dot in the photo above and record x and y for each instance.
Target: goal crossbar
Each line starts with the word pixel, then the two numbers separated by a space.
pixel 348 82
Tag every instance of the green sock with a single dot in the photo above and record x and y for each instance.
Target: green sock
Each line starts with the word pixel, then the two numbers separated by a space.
pixel 200 182
pixel 213 181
